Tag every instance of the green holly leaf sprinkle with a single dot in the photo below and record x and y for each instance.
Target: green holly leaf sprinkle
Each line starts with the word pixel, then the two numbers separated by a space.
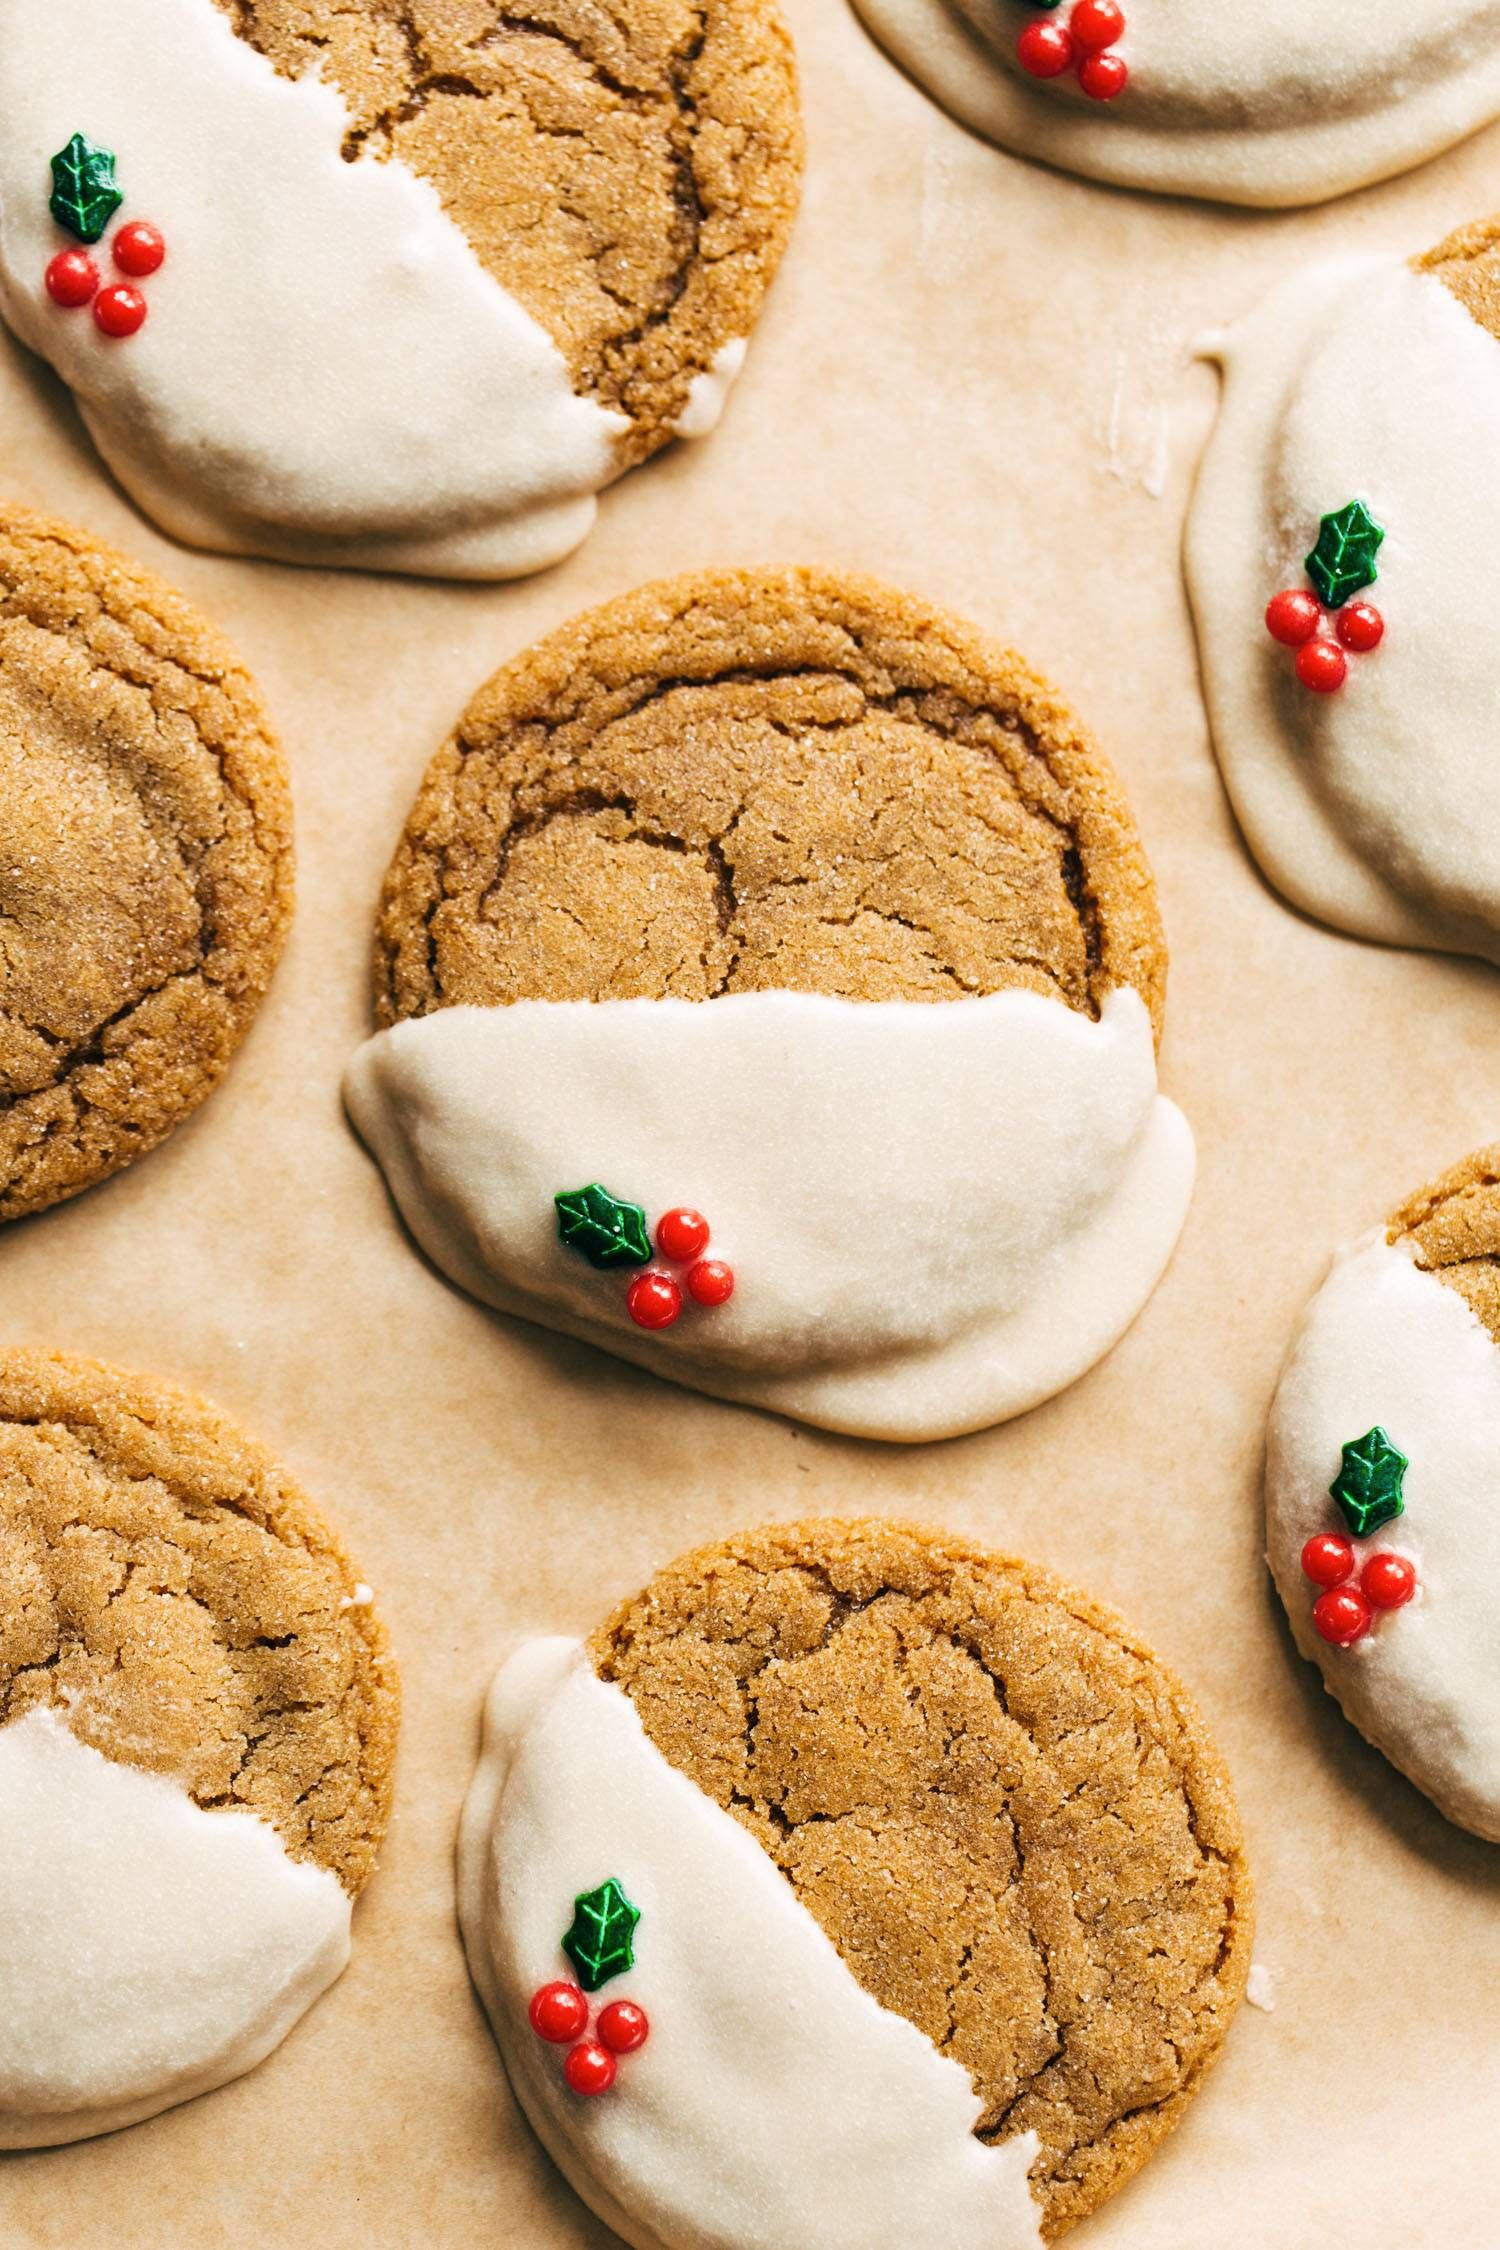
pixel 599 1939
pixel 1368 1486
pixel 1343 560
pixel 603 1228
pixel 85 196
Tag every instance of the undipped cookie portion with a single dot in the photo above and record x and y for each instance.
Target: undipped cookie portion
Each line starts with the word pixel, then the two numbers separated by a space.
pixel 145 860
pixel 198 1716
pixel 783 899
pixel 917 1788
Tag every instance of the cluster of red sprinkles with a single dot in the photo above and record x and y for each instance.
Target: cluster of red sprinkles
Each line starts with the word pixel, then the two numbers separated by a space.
pixel 559 2013
pixel 73 279
pixel 1344 1612
pixel 1298 620
pixel 655 1299
pixel 1083 45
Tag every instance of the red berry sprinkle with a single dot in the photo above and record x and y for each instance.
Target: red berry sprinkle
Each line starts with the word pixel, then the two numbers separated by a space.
pixel 72 278
pixel 710 1282
pixel 590 2068
pixel 1045 50
pixel 1342 1615
pixel 1359 626
pixel 653 1300
pixel 1322 666
pixel 1328 1559
pixel 558 2012
pixel 1096 24
pixel 682 1234
pixel 622 2027
pixel 1102 77
pixel 138 249
pixel 1293 617
pixel 119 310
pixel 1388 1580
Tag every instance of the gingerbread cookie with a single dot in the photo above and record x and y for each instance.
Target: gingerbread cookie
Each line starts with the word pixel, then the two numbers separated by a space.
pixel 785 927
pixel 1270 105
pixel 145 860
pixel 1342 617
pixel 1383 1494
pixel 853 1883
pixel 391 288
pixel 198 1717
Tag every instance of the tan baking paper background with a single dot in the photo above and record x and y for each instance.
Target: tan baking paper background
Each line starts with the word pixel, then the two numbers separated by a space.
pixel 974 378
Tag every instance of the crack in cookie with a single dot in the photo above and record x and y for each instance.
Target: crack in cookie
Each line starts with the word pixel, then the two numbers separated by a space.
pixel 1003 1810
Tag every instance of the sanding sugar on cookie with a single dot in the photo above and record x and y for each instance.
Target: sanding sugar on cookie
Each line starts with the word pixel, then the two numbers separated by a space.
pixel 1275 103
pixel 852 1884
pixel 391 288
pixel 1341 596
pixel 768 982
pixel 145 860
pixel 1383 1490
pixel 198 1716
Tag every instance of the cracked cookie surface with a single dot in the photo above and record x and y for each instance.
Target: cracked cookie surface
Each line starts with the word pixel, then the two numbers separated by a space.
pixel 627 169
pixel 1454 1228
pixel 145 861
pixel 757 780
pixel 1004 1811
pixel 167 1589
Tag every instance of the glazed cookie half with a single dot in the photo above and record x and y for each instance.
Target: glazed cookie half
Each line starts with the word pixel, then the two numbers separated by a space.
pixel 1383 1494
pixel 198 1716
pixel 1353 717
pixel 768 978
pixel 883 1889
pixel 1237 104
pixel 145 860
pixel 391 287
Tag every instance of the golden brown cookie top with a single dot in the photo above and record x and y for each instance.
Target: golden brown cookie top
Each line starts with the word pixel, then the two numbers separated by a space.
pixel 778 779
pixel 1453 1226
pixel 167 1589
pixel 1004 1811
pixel 145 860
pixel 627 169
pixel 1467 262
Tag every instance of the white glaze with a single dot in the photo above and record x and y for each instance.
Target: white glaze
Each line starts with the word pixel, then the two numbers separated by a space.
pixel 1277 103
pixel 1371 808
pixel 148 1950
pixel 937 1214
pixel 1385 1344
pixel 775 2105
pixel 708 392
pixel 327 373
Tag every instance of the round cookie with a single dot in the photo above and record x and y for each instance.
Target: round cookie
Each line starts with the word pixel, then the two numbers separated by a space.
pixel 145 860
pixel 783 900
pixel 198 1716
pixel 1358 759
pixel 423 279
pixel 1381 1488
pixel 1237 105
pixel 940 1906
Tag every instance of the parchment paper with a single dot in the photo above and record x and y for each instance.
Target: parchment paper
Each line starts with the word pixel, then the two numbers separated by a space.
pixel 974 377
